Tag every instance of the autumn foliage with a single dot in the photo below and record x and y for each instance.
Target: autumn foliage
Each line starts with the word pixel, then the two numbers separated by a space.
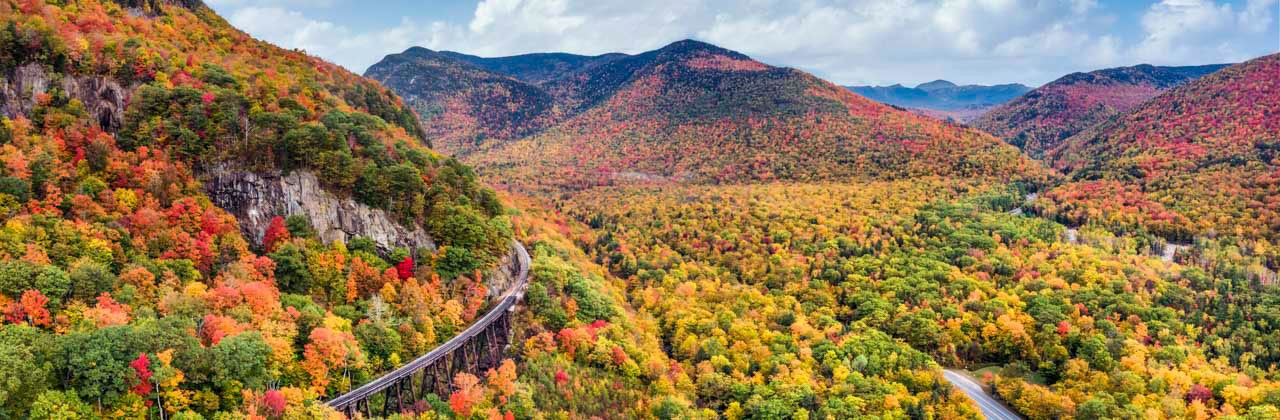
pixel 1042 119
pixel 128 294
pixel 275 234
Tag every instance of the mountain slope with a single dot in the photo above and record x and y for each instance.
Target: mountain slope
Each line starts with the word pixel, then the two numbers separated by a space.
pixel 1039 120
pixel 461 103
pixel 1205 155
pixel 129 292
pixel 694 111
pixel 943 98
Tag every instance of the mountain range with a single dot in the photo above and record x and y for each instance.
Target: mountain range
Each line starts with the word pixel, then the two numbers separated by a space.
pixel 689 110
pixel 1041 119
pixel 941 98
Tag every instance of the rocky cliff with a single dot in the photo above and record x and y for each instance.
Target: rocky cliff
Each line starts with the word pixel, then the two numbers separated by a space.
pixel 257 198
pixel 510 270
pixel 103 98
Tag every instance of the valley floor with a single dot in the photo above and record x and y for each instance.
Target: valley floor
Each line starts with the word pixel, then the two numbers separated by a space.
pixel 836 299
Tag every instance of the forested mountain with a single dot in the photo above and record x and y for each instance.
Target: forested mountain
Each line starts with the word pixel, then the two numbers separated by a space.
pixel 463 104
pixel 129 291
pixel 944 99
pixel 1202 158
pixel 693 111
pixel 1089 301
pixel 1041 119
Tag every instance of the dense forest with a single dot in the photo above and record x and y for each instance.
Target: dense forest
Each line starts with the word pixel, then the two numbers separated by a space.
pixel 1205 156
pixel 1092 329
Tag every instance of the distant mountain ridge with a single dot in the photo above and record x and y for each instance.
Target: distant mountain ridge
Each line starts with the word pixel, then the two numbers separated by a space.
pixel 942 95
pixel 1042 118
pixel 533 68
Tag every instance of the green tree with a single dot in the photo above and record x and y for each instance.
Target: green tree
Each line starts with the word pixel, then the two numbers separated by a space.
pixel 58 405
pixel 299 226
pixel 291 269
pixel 89 279
pixel 242 357
pixel 378 341
pixel 1094 350
pixel 24 371
pixel 457 261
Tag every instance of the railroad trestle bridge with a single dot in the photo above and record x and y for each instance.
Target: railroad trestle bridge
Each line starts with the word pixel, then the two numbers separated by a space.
pixel 475 350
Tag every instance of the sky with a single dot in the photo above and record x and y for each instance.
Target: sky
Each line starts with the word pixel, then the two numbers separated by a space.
pixel 850 42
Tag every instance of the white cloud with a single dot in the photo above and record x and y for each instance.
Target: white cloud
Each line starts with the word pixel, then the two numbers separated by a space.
pixel 913 40
pixel 337 43
pixel 852 41
pixel 261 3
pixel 1183 30
pixel 1256 16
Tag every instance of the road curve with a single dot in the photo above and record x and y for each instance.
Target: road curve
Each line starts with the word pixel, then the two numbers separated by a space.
pixel 991 409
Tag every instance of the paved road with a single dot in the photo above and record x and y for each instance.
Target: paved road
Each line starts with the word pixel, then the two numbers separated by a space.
pixel 991 409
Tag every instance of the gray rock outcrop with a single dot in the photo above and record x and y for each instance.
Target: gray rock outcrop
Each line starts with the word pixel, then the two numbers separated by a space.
pixel 103 97
pixel 254 199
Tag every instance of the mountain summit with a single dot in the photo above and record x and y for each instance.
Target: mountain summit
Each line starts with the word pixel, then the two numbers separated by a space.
pixel 936 85
pixel 461 101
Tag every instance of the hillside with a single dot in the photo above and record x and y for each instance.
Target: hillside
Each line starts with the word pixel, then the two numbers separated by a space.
pixel 943 99
pixel 695 112
pixel 462 104
pixel 1041 119
pixel 129 285
pixel 1205 156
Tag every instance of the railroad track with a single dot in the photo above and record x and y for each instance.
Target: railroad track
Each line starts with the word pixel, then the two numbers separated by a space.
pixel 475 349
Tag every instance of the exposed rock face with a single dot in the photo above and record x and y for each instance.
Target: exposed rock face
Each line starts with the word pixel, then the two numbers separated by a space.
pixel 510 270
pixel 257 198
pixel 103 97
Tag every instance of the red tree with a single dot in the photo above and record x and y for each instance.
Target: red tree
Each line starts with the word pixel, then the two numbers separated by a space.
pixel 274 402
pixel 142 366
pixel 276 234
pixel 467 395
pixel 33 303
pixel 1199 392
pixel 405 268
pixel 13 313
